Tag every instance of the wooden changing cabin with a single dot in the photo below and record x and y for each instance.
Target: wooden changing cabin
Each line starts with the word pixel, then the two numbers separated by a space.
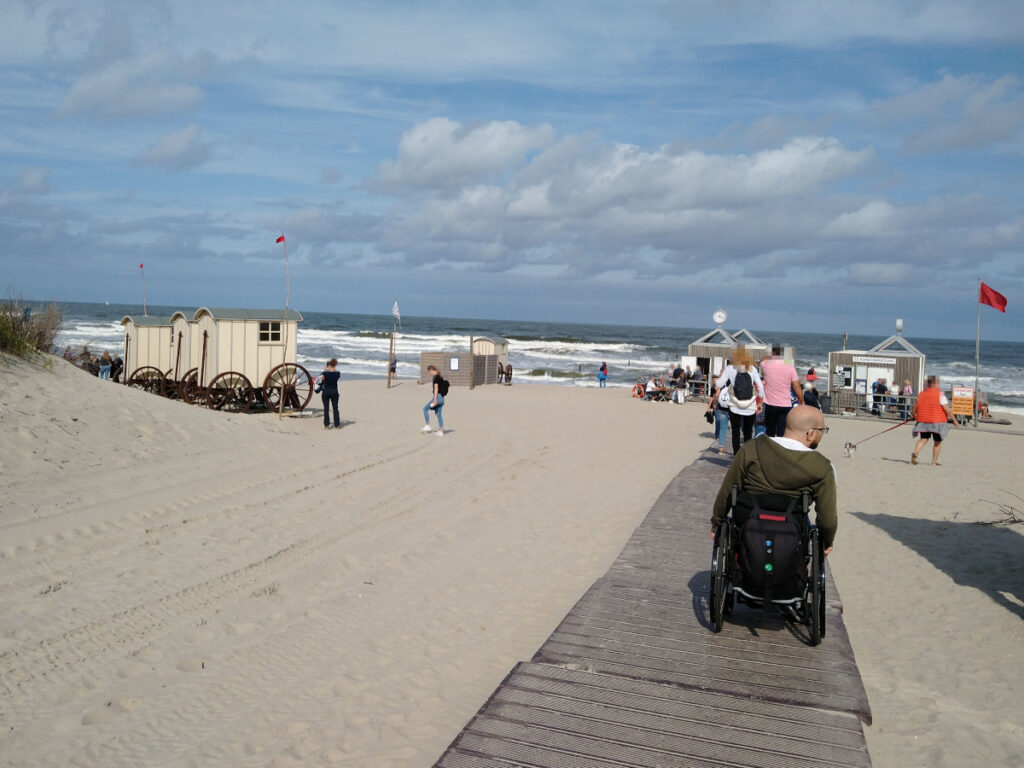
pixel 468 369
pixel 147 350
pixel 229 359
pixel 236 349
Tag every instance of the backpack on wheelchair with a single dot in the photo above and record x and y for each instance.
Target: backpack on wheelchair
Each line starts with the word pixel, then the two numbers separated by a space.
pixel 766 552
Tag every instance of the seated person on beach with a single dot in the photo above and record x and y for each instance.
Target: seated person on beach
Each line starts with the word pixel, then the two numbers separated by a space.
pixel 983 412
pixel 785 466
pixel 677 379
pixel 655 387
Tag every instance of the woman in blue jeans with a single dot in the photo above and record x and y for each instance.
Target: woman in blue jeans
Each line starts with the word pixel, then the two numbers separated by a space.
pixel 719 400
pixel 329 393
pixel 436 402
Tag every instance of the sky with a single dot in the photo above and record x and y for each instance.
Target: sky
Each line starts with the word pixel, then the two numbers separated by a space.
pixel 807 166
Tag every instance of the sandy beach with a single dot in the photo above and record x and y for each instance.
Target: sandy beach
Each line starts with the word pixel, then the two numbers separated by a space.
pixel 187 588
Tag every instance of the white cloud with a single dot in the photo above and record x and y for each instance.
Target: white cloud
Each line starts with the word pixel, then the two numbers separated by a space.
pixel 958 112
pixel 177 151
pixel 444 154
pixel 880 273
pixel 874 219
pixel 155 84
pixel 584 205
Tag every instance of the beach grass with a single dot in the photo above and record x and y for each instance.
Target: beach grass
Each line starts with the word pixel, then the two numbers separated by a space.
pixel 23 332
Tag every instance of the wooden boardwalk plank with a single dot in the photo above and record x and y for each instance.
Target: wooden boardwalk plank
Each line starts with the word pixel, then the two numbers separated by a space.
pixel 633 675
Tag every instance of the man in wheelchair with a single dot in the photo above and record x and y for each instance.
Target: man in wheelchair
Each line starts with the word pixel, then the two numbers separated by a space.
pixel 766 550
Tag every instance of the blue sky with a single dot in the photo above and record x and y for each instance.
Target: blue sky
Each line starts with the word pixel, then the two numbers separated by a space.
pixel 805 165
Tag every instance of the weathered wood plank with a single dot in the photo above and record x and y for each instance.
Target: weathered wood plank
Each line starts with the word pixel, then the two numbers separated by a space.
pixel 633 676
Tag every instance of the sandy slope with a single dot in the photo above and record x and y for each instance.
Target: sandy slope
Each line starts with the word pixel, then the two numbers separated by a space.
pixel 182 587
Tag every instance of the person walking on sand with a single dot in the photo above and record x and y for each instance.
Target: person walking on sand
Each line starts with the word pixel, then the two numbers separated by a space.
pixel 602 375
pixel 329 393
pixel 933 416
pixel 439 387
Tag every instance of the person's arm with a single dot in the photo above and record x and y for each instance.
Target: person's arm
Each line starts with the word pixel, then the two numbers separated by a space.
pixel 798 391
pixel 825 512
pixel 436 385
pixel 949 415
pixel 759 388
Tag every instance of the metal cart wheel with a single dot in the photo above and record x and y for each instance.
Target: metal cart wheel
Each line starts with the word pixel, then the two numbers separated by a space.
pixel 290 382
pixel 170 386
pixel 188 388
pixel 230 391
pixel 148 378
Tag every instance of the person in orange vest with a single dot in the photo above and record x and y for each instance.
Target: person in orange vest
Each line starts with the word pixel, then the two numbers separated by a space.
pixel 933 418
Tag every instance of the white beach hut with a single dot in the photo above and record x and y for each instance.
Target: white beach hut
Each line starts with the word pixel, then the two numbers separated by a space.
pixel 182 344
pixel 240 355
pixel 147 344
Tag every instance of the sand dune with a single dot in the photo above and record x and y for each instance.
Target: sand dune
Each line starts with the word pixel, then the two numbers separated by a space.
pixel 183 587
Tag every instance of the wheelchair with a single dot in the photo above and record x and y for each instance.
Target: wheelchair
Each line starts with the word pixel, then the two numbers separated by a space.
pixel 796 587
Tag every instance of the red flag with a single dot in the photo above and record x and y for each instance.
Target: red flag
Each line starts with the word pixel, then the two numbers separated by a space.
pixel 993 298
pixel 280 239
pixel 140 266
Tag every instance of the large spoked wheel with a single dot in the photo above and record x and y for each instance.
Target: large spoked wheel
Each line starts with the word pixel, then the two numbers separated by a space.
pixel 230 391
pixel 815 598
pixel 170 386
pixel 188 387
pixel 149 378
pixel 718 592
pixel 289 383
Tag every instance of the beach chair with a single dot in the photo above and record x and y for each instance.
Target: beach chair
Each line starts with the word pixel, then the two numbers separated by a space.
pixel 767 553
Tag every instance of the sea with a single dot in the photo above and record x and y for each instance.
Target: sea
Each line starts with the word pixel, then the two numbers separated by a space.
pixel 560 354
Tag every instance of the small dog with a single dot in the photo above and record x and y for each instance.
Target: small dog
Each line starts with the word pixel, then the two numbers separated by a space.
pixel 849 449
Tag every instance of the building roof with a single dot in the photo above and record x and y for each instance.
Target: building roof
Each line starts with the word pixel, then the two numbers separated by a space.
pixel 492 339
pixel 143 320
pixel 220 313
pixel 904 347
pixel 744 336
pixel 717 336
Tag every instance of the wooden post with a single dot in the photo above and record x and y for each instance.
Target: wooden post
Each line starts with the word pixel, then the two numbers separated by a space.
pixel 472 366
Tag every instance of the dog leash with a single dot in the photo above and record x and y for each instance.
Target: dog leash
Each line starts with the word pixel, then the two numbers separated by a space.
pixel 850 447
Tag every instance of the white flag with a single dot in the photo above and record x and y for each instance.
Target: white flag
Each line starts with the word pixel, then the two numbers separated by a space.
pixel 396 313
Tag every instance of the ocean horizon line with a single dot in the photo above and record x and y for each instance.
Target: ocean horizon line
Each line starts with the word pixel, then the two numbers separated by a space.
pixel 762 333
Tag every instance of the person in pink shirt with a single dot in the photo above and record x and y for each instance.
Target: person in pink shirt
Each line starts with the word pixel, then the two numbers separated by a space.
pixel 781 382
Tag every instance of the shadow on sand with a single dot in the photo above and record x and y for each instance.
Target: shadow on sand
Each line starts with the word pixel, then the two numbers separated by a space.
pixel 985 557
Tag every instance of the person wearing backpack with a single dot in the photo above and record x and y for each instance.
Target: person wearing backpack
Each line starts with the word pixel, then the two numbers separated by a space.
pixel 746 394
pixel 439 386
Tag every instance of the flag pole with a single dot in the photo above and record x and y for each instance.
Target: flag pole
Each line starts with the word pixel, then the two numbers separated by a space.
pixel 977 357
pixel 394 330
pixel 143 271
pixel 284 327
pixel 391 348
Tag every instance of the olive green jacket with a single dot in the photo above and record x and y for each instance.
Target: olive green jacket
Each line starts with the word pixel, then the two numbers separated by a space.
pixel 764 466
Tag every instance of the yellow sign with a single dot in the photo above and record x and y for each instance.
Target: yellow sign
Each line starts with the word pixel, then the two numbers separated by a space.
pixel 963 401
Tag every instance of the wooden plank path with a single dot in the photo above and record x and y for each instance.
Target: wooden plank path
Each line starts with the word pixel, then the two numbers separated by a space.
pixel 633 676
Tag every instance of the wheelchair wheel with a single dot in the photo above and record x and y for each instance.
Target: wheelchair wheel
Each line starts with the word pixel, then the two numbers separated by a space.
pixel 816 589
pixel 718 603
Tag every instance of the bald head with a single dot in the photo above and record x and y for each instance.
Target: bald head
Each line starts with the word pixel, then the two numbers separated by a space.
pixel 801 421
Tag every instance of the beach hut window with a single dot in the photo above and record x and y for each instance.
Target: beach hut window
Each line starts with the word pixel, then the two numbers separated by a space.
pixel 270 332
